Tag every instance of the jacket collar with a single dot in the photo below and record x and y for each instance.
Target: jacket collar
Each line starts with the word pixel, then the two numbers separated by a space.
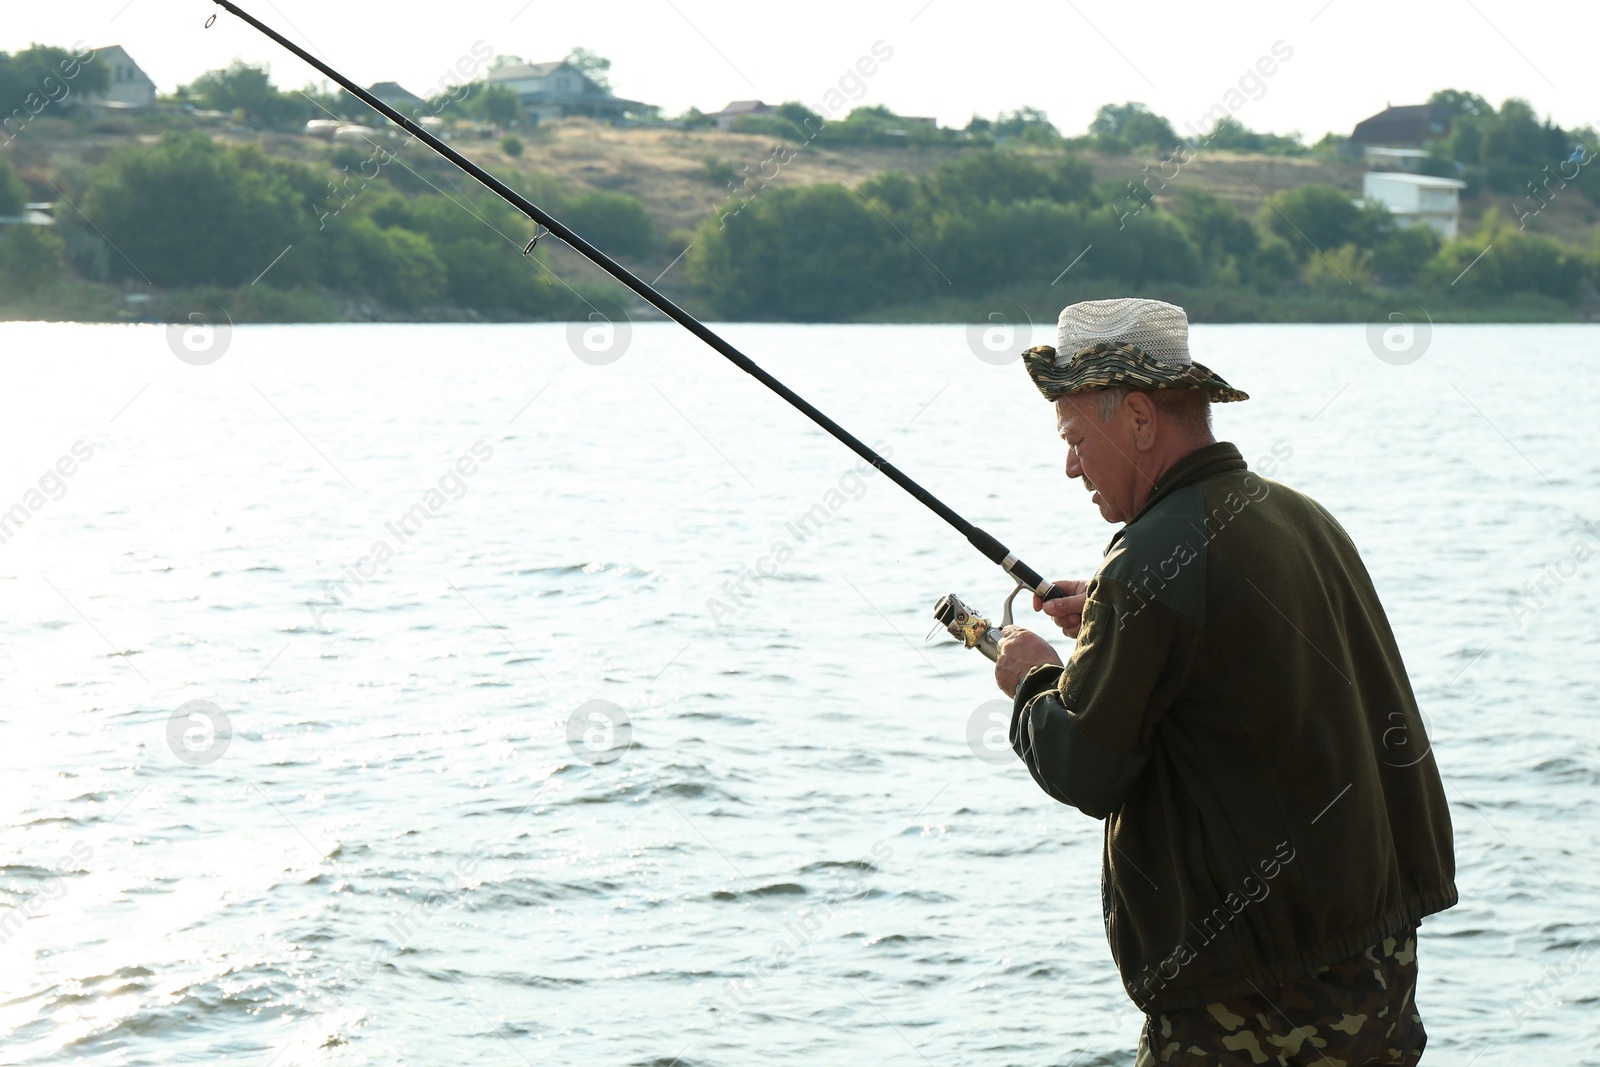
pixel 1202 463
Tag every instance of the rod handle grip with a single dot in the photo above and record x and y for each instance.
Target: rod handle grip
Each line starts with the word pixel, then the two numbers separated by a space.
pixel 991 547
pixel 1028 577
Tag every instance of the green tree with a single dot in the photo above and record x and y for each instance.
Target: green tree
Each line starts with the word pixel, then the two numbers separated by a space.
pixel 1217 229
pixel 483 270
pixel 1323 217
pixel 1336 270
pixel 1131 125
pixel 1398 259
pixel 1026 124
pixel 499 105
pixel 31 258
pixel 496 278
pixel 1464 142
pixel 1516 262
pixel 1153 247
pixel 1274 265
pixel 895 192
pixel 799 116
pixel 1454 104
pixel 1231 135
pixel 1467 114
pixel 804 254
pixel 13 193
pixel 400 267
pixel 790 120
pixel 614 222
pixel 190 212
pixel 248 88
pixel 1516 136
pixel 593 65
pixel 1330 144
pixel 43 75
pixel 985 247
pixel 1005 177
pixel 695 119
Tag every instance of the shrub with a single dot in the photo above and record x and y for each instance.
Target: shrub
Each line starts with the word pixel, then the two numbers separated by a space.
pixel 13 193
pixel 1323 216
pixel 808 254
pixel 397 266
pixel 614 222
pixel 1512 261
pixel 31 258
pixel 189 212
pixel 1399 258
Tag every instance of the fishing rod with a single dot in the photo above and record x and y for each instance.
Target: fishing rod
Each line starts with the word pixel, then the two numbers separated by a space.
pixel 974 630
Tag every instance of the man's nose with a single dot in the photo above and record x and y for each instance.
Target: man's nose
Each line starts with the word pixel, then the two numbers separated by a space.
pixel 1074 468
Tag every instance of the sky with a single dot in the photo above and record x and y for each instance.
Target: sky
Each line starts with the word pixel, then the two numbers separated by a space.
pixel 1346 59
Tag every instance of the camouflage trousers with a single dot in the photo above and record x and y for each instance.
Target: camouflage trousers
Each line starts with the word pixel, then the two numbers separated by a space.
pixel 1359 1012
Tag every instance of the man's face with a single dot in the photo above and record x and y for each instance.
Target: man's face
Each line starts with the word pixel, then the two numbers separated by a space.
pixel 1100 453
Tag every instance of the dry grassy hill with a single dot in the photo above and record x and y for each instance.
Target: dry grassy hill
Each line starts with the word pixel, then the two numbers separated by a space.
pixel 683 177
pixel 667 170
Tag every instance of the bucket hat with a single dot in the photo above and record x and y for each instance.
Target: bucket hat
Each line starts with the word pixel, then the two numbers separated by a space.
pixel 1125 343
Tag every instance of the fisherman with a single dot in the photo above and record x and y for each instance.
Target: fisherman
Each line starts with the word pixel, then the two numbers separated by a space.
pixel 1236 710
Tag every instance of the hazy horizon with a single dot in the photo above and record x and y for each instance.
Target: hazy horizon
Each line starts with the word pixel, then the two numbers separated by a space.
pixel 1349 58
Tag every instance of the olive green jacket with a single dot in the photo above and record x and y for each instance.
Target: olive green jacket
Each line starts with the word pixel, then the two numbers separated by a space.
pixel 1237 711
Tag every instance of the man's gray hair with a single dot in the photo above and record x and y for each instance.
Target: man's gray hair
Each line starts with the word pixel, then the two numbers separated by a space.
pixel 1189 408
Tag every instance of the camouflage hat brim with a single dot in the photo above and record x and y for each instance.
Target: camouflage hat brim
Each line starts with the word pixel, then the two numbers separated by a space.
pixel 1120 366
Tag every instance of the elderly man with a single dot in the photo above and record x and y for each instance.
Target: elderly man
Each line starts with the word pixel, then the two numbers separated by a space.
pixel 1236 710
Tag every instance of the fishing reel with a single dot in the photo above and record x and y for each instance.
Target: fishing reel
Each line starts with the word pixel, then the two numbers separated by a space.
pixel 970 628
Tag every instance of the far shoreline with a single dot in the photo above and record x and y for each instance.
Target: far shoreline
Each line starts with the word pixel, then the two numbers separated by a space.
pixel 90 303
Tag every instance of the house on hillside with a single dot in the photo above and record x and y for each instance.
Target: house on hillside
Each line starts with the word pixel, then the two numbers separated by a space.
pixel 559 90
pixel 1406 126
pixel 1418 199
pixel 739 109
pixel 397 96
pixel 127 85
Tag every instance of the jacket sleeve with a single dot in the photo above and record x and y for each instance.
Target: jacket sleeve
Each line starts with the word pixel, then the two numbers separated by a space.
pixel 1084 729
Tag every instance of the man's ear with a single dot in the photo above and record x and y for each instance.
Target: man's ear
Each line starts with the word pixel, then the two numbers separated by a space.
pixel 1142 410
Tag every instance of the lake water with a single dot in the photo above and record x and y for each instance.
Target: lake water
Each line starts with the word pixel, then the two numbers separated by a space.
pixel 400 850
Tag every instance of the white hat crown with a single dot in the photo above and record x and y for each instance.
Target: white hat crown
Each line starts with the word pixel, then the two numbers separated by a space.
pixel 1160 330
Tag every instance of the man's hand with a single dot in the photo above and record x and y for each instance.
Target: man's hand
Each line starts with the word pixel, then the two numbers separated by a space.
pixel 1066 612
pixel 1020 652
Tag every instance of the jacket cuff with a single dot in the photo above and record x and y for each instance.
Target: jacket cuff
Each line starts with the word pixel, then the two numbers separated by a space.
pixel 1042 678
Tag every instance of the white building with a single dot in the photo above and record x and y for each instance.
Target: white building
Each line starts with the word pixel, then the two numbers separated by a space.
pixel 558 90
pixel 127 86
pixel 1417 199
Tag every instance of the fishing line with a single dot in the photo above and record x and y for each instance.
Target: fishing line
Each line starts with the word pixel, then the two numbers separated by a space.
pixel 992 549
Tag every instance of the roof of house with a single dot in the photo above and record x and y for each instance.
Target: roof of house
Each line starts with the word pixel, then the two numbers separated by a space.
pixel 112 52
pixel 743 107
pixel 518 71
pixel 389 92
pixel 1411 123
pixel 1404 112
